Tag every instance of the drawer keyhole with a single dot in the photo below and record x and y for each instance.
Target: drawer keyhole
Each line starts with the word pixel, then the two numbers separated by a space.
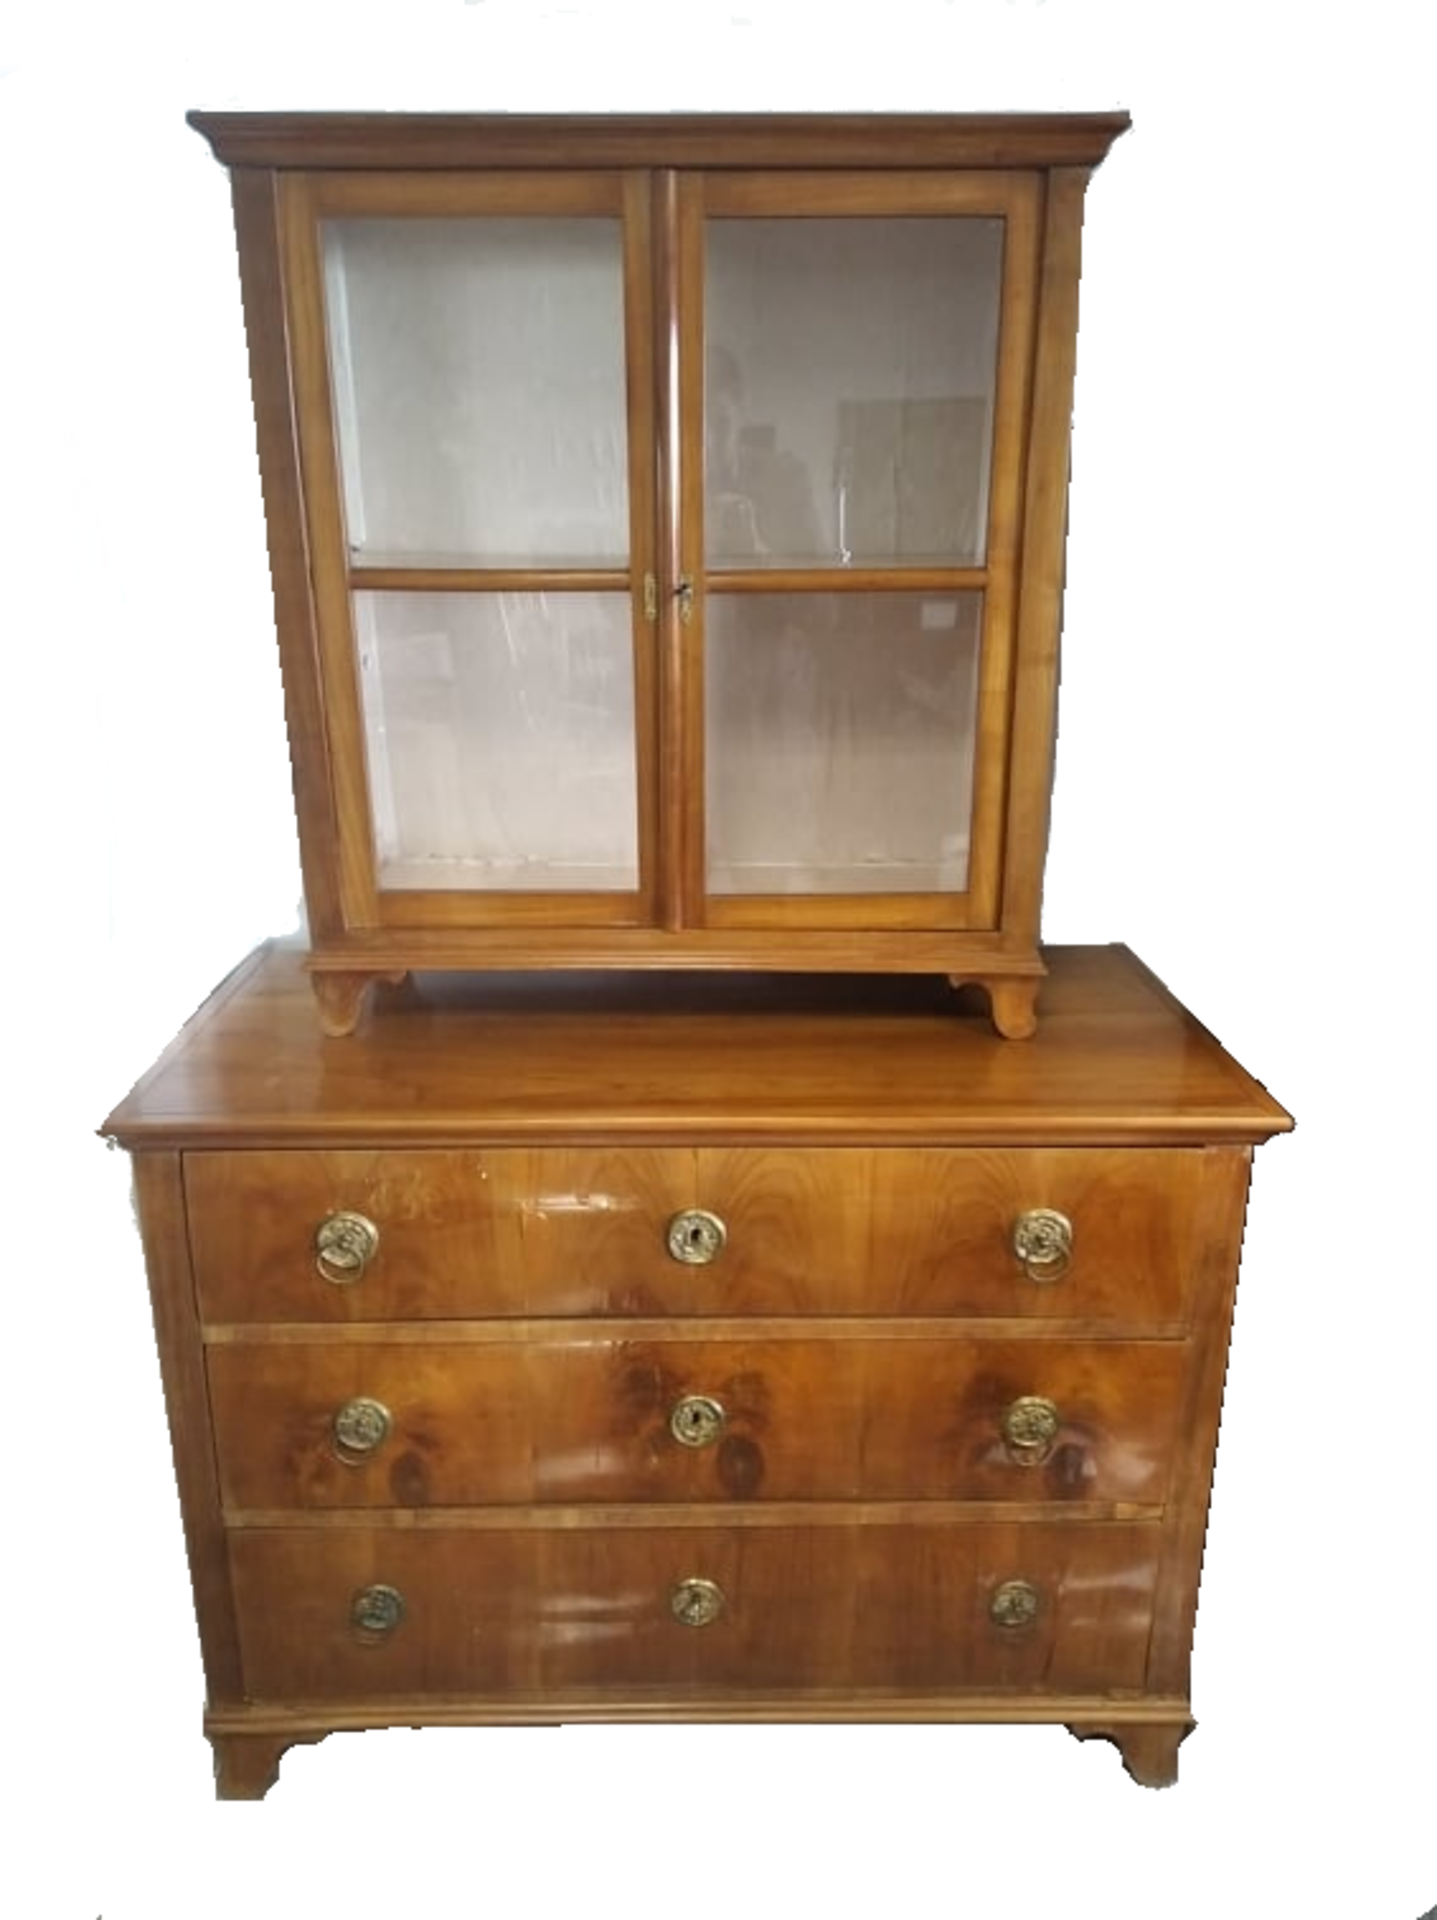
pixel 697 1420
pixel 695 1237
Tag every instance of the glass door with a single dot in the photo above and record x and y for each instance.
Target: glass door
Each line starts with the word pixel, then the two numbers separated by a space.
pixel 482 516
pixel 855 360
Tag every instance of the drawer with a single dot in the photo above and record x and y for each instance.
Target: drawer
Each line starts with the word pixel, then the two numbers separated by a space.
pixel 569 1232
pixel 601 1417
pixel 546 1614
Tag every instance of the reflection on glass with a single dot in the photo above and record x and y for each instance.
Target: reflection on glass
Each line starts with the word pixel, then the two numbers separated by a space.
pixel 850 369
pixel 478 372
pixel 840 741
pixel 500 736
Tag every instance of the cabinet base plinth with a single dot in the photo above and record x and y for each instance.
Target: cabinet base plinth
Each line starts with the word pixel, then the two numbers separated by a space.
pixel 1149 1750
pixel 249 1742
pixel 247 1764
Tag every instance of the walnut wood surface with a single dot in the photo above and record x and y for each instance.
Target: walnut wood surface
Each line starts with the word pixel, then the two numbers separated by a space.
pixel 367 140
pixel 247 1764
pixel 1149 1749
pixel 159 1200
pixel 473 1233
pixel 450 1060
pixel 532 1611
pixel 522 1145
pixel 558 1418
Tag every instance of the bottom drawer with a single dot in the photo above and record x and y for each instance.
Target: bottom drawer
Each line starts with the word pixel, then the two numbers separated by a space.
pixel 700 1612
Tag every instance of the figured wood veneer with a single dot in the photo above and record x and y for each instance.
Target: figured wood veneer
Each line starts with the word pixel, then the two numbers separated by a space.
pixel 521 1146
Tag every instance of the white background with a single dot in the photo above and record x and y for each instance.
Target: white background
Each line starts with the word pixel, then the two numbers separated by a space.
pixel 1243 796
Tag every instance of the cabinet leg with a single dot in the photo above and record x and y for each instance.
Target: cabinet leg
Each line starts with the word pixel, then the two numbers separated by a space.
pixel 341 998
pixel 1013 1004
pixel 247 1764
pixel 1149 1750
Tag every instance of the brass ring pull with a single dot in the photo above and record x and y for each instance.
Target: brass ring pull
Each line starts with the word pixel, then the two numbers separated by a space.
pixel 697 1420
pixel 1043 1242
pixel 696 1237
pixel 696 1602
pixel 376 1611
pixel 1030 1426
pixel 344 1245
pixel 359 1428
pixel 1013 1605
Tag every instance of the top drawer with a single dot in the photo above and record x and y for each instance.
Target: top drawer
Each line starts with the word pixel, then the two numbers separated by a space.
pixel 520 1232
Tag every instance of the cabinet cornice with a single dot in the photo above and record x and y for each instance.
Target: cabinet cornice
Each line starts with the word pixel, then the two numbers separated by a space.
pixel 413 140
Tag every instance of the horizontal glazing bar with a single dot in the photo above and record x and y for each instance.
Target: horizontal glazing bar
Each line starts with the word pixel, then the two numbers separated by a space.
pixel 441 578
pixel 904 579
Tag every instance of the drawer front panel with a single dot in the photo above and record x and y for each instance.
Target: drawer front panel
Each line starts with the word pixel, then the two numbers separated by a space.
pixel 571 1232
pixel 536 1612
pixel 612 1419
pixel 460 1234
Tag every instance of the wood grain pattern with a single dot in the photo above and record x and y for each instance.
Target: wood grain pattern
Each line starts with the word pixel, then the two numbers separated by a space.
pixel 419 141
pixel 1217 1244
pixel 808 1608
pixel 159 1201
pixel 812 1418
pixel 842 1231
pixel 608 1059
pixel 257 234
pixel 864 1330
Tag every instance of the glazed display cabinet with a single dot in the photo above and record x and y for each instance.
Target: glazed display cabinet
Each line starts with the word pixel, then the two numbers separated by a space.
pixel 666 521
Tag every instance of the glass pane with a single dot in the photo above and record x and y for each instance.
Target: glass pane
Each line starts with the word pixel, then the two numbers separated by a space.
pixel 500 733
pixel 840 744
pixel 478 371
pixel 849 392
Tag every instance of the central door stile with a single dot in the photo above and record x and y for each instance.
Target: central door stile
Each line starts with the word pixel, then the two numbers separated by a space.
pixel 644 429
pixel 677 272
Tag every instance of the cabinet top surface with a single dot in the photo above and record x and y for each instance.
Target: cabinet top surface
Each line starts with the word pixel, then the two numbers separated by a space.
pixel 495 1058
pixel 406 140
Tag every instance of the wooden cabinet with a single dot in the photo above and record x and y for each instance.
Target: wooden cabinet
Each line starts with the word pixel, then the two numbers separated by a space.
pixel 666 523
pixel 702 1348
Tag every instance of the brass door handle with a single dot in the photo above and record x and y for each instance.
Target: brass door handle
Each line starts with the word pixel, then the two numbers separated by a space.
pixel 344 1245
pixel 1043 1243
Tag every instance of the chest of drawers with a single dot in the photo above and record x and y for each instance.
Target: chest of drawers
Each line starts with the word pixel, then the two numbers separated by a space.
pixel 549 1351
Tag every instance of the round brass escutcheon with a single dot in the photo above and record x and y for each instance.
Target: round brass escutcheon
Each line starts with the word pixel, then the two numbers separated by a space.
pixel 1043 1242
pixel 344 1245
pixel 1014 1604
pixel 696 1602
pixel 360 1426
pixel 376 1610
pixel 1030 1426
pixel 697 1420
pixel 696 1237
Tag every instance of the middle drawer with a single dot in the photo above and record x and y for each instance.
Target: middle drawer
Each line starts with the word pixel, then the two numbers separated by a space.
pixel 605 1417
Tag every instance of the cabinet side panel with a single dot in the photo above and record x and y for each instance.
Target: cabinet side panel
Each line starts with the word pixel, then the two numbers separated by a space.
pixel 261 281
pixel 1217 1246
pixel 1040 589
pixel 159 1196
